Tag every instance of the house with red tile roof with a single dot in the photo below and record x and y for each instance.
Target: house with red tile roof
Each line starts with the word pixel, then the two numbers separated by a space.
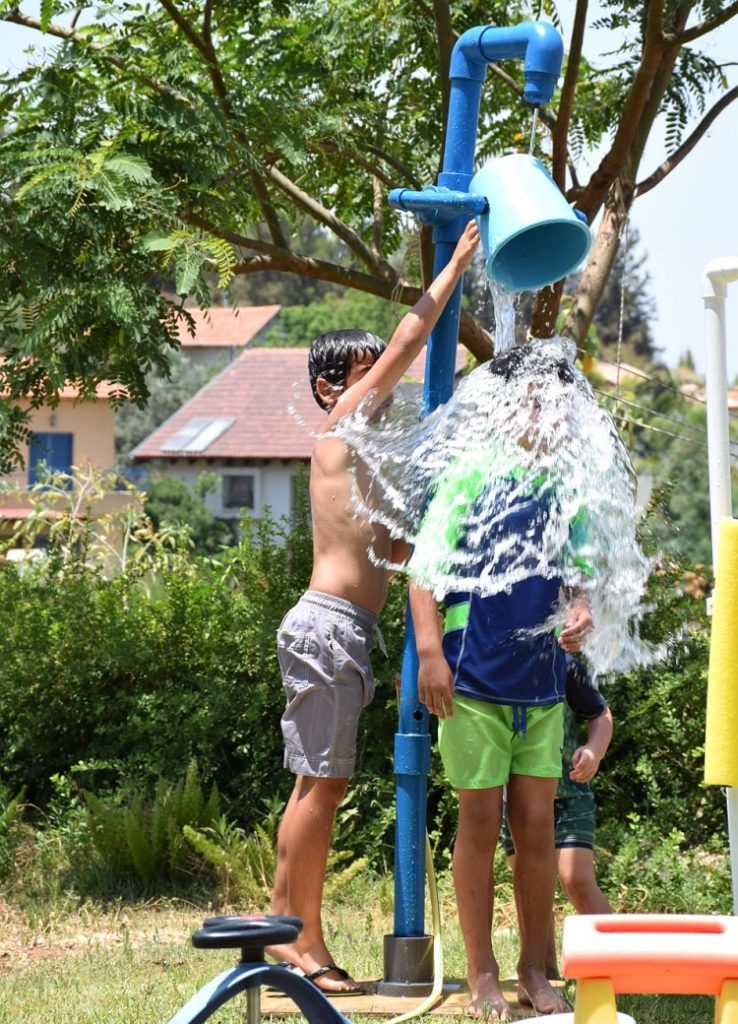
pixel 221 333
pixel 253 425
pixel 74 433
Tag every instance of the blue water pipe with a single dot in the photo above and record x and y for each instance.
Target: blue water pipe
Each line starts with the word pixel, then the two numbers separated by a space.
pixel 448 207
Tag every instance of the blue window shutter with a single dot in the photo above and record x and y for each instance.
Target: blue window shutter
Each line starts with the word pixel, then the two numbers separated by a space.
pixel 53 450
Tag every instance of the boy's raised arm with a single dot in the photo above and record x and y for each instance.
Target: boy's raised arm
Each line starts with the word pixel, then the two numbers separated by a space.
pixel 411 333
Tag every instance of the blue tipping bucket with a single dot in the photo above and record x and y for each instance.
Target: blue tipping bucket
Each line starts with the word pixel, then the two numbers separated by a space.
pixel 530 235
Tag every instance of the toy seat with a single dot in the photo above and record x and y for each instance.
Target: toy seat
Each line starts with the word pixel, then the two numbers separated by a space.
pixel 679 954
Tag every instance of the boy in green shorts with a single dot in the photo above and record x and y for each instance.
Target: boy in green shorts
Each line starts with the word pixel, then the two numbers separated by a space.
pixel 496 680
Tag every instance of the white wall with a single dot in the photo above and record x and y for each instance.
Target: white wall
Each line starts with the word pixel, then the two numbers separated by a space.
pixel 272 484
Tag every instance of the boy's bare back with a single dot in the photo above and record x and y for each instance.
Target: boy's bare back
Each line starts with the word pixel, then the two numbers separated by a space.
pixel 345 544
pixel 342 539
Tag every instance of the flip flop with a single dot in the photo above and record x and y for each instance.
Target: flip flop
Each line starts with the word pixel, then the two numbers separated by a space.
pixel 293 968
pixel 344 976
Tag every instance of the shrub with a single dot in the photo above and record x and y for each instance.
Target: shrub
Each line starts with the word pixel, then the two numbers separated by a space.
pixel 654 872
pixel 133 836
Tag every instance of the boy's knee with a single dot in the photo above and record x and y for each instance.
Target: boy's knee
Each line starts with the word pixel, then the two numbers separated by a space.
pixel 532 825
pixel 577 886
pixel 327 790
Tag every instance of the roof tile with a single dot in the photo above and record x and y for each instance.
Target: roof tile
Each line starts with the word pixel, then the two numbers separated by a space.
pixel 225 327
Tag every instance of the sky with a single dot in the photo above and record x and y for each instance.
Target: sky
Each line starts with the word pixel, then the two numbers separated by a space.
pixel 688 220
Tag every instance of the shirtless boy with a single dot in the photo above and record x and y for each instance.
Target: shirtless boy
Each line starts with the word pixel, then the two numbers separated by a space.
pixel 324 642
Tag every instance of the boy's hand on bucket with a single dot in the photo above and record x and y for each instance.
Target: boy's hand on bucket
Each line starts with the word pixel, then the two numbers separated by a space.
pixel 467 246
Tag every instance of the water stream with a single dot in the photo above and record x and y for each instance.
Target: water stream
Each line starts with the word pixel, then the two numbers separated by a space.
pixel 447 483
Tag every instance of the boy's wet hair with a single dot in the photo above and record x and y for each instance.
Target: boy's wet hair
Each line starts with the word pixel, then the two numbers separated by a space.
pixel 334 353
pixel 525 358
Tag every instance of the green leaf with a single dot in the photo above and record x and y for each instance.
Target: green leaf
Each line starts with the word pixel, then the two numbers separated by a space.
pixel 47 9
pixel 135 168
pixel 188 265
pixel 159 241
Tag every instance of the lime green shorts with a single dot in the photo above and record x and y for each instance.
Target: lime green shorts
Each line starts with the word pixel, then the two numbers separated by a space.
pixel 480 748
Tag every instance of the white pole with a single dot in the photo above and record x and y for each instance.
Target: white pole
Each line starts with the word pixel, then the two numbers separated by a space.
pixel 716 277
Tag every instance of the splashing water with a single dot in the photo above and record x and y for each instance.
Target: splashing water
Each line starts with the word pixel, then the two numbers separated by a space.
pixel 519 474
pixel 504 304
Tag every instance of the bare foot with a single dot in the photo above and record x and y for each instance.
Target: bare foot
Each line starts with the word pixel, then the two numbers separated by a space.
pixel 312 963
pixel 487 1001
pixel 534 990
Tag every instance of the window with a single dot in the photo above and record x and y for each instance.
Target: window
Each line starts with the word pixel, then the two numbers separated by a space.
pixel 239 491
pixel 49 453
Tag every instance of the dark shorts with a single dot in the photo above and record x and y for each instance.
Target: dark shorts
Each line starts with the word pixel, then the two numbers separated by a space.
pixel 323 646
pixel 574 823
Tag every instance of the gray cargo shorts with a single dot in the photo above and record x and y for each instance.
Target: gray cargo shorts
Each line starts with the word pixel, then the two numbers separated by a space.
pixel 323 646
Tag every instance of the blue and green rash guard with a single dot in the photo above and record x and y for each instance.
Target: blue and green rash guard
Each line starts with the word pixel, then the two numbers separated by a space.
pixel 491 643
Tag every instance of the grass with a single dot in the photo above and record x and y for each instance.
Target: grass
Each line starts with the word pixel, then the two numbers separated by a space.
pixel 134 964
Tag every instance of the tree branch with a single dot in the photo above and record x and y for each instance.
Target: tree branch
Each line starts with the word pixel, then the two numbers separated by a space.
pixel 186 28
pixel 208 53
pixel 337 226
pixel 446 37
pixel 568 92
pixel 594 192
pixel 377 214
pixel 687 146
pixel 69 35
pixel 207 24
pixel 680 38
pixel 332 146
pixel 234 237
pixel 407 174
pixel 471 335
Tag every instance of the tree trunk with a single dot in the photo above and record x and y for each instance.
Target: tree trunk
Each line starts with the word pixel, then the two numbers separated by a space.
pixel 600 263
pixel 545 311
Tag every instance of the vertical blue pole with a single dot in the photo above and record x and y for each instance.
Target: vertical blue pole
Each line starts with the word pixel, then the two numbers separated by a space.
pixel 412 741
pixel 542 49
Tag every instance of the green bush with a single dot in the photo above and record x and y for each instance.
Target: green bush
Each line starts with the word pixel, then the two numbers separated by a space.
pixel 149 669
pixel 655 763
pixel 119 682
pixel 11 816
pixel 653 872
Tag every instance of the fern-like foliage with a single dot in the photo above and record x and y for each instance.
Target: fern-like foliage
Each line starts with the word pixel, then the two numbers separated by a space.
pixel 245 863
pixel 143 838
pixel 190 254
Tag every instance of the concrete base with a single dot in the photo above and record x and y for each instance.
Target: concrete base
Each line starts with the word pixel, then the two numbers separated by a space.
pixel 452 1003
pixel 408 966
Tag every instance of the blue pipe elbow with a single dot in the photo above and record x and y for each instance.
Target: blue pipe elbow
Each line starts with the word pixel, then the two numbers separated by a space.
pixel 537 42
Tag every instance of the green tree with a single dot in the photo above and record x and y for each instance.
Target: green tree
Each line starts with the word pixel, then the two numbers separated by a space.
pixel 298 325
pixel 169 501
pixel 626 295
pixel 190 137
